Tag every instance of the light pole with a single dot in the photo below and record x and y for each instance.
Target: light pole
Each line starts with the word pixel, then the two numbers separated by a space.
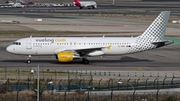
pixel 5 72
pixel 50 83
pixel 32 71
pixel 18 73
pixel 131 86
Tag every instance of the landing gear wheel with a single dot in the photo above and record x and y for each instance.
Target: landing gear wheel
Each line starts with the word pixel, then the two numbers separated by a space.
pixel 85 61
pixel 29 59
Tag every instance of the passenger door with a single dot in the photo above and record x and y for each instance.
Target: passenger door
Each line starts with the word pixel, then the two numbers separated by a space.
pixel 29 43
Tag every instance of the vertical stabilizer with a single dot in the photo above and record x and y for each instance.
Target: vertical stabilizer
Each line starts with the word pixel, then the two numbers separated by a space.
pixel 156 30
pixel 154 33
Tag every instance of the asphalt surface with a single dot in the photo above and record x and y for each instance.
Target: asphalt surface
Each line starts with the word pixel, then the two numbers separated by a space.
pixel 162 59
pixel 102 9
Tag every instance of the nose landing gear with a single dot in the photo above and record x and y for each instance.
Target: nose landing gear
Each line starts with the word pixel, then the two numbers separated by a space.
pixel 29 59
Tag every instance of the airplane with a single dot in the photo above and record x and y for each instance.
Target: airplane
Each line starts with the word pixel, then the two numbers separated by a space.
pixel 67 49
pixel 89 4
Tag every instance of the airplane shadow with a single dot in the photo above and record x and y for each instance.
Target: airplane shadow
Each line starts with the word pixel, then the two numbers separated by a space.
pixel 78 61
pixel 124 59
pixel 131 59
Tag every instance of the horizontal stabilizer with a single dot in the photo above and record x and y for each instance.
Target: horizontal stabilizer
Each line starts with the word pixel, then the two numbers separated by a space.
pixel 163 43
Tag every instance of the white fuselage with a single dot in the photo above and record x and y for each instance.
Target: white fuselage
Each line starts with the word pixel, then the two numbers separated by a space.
pixel 53 45
pixel 86 4
pixel 68 48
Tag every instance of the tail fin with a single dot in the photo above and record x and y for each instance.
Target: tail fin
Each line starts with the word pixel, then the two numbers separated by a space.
pixel 153 36
pixel 155 32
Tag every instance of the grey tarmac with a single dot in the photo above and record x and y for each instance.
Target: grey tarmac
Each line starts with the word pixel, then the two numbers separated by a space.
pixel 162 59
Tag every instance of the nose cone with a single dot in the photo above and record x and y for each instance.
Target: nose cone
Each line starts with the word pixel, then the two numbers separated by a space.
pixel 9 49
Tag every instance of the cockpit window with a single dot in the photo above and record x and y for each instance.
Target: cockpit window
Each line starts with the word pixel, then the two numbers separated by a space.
pixel 16 43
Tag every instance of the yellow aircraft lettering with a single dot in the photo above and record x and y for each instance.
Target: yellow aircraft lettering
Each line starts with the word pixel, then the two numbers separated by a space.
pixel 60 40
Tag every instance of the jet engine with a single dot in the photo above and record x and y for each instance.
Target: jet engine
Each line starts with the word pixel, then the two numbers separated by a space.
pixel 66 56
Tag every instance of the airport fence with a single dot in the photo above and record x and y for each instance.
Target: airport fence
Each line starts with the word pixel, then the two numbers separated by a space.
pixel 89 85
pixel 87 79
pixel 86 89
pixel 53 74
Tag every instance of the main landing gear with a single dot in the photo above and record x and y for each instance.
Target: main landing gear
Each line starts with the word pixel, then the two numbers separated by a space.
pixel 29 59
pixel 85 61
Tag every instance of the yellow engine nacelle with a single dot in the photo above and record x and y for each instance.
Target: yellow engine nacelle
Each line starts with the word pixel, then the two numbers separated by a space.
pixel 65 56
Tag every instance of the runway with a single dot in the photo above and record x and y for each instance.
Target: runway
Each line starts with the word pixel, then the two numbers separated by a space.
pixel 162 59
pixel 102 9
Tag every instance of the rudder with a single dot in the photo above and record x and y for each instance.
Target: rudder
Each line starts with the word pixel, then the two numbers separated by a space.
pixel 156 30
pixel 154 33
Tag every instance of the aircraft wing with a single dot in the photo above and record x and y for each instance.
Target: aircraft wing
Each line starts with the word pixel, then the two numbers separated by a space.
pixel 87 50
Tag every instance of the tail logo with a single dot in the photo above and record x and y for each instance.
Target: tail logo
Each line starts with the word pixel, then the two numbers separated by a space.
pixel 159 21
pixel 154 33
pixel 108 47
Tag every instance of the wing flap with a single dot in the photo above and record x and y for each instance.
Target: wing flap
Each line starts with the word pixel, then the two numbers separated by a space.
pixel 86 50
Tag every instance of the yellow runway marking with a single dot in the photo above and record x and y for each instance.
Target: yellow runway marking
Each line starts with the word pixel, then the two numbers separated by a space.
pixel 140 69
